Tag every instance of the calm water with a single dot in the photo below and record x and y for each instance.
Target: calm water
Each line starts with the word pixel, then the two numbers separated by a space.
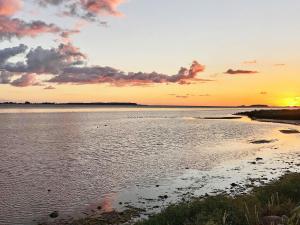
pixel 83 155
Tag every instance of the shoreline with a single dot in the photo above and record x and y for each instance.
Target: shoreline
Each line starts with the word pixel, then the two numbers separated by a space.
pixel 285 116
pixel 274 203
pixel 291 122
pixel 234 193
pixel 271 203
pixel 230 188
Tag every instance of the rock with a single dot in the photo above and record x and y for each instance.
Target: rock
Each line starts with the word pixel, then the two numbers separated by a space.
pixel 234 185
pixel 257 142
pixel 99 207
pixel 290 131
pixel 163 196
pixel 157 185
pixel 259 159
pixel 54 214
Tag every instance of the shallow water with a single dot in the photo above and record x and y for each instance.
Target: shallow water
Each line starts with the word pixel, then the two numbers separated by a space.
pixel 74 159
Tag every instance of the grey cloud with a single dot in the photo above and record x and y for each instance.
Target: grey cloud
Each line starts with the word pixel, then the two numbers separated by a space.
pixel 49 88
pixel 65 64
pixel 7 53
pixel 5 77
pixel 97 74
pixel 232 72
pixel 52 2
pixel 47 61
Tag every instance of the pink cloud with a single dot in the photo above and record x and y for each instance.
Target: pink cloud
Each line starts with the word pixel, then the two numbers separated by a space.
pixel 102 6
pixel 85 9
pixel 25 81
pixel 67 64
pixel 9 7
pixel 10 28
pixel 109 75
pixel 71 53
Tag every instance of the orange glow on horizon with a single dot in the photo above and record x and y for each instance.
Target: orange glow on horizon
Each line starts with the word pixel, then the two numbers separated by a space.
pixel 290 102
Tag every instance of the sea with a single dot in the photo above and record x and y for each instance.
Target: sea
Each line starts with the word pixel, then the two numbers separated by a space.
pixel 77 160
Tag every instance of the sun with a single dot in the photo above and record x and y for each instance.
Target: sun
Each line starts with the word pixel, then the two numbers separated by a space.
pixel 291 101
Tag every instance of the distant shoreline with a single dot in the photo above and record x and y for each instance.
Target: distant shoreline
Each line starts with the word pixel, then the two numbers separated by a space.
pixel 117 104
pixel 286 116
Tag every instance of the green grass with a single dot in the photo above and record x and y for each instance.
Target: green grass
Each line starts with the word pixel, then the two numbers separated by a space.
pixel 280 198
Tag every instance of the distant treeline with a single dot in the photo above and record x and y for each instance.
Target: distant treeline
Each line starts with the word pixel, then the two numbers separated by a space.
pixel 75 103
pixel 125 104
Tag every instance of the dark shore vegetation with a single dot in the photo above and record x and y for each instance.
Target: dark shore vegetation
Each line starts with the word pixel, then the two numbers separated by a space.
pixel 284 114
pixel 274 204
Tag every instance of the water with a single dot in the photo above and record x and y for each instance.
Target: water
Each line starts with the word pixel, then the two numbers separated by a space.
pixel 72 159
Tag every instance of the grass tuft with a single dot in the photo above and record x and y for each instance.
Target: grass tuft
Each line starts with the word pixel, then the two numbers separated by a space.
pixel 279 200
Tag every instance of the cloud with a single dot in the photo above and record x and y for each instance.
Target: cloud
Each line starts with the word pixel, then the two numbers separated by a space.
pixel 279 64
pixel 66 65
pixel 88 10
pixel 9 7
pixel 85 9
pixel 25 81
pixel 97 74
pixel 16 28
pixel 232 72
pixel 250 62
pixel 49 88
pixel 5 77
pixel 7 53
pixel 47 61
pixel 102 6
pixel 182 96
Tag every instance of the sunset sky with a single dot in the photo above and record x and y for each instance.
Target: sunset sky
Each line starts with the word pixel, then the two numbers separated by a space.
pixel 174 52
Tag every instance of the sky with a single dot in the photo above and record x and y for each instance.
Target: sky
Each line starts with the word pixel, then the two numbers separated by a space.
pixel 171 52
